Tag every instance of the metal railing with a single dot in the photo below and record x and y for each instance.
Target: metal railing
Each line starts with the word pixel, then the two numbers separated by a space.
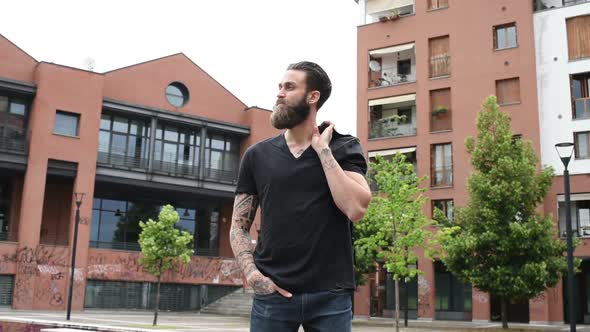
pixel 440 66
pixel 8 236
pixel 174 168
pixel 221 175
pixel 539 5
pixel 12 139
pixel 382 129
pixel 121 160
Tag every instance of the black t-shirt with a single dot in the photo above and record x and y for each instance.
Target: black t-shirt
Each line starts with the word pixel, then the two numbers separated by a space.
pixel 304 242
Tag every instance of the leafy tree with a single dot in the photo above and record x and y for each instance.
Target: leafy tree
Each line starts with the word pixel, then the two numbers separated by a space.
pixel 394 225
pixel 162 245
pixel 499 242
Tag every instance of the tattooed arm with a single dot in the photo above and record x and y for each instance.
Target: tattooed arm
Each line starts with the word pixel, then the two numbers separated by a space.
pixel 350 190
pixel 245 206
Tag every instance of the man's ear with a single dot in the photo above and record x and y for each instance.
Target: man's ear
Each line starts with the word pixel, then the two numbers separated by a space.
pixel 313 97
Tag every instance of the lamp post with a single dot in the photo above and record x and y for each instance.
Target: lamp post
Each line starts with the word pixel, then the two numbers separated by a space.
pixel 78 197
pixel 565 151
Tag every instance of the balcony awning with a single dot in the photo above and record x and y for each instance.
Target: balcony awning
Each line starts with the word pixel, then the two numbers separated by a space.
pixel 392 100
pixel 390 152
pixel 574 197
pixel 377 6
pixel 393 49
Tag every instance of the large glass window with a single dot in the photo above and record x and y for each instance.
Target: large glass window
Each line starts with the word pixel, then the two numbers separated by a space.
pixel 441 165
pixel 445 206
pixel 115 224
pixel 177 150
pixel 221 157
pixel 123 141
pixel 582 143
pixel 451 295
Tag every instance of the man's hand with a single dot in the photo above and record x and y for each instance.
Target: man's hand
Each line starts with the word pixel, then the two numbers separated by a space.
pixel 321 141
pixel 264 286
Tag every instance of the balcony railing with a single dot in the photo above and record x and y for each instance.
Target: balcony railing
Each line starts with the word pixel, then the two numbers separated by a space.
pixel 121 160
pixel 440 66
pixel 390 128
pixel 539 5
pixel 173 168
pixel 581 108
pixel 221 175
pixel 12 139
pixel 8 236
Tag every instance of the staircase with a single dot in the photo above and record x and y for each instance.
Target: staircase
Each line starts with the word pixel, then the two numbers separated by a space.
pixel 238 303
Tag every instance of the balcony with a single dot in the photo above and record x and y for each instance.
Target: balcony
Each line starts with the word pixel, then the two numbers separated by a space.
pixel 580 215
pixel 392 117
pixel 539 5
pixel 13 139
pixel 392 65
pixel 121 160
pixel 440 66
pixel 382 10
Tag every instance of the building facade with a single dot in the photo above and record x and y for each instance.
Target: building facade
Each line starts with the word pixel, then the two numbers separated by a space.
pixel 562 45
pixel 130 140
pixel 424 68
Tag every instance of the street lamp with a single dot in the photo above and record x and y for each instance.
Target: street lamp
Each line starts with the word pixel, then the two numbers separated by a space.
pixel 565 151
pixel 78 197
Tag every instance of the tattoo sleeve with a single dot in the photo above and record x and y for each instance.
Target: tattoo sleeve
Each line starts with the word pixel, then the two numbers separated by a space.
pixel 327 159
pixel 245 206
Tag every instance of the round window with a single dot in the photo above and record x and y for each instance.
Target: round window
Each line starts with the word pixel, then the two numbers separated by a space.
pixel 177 94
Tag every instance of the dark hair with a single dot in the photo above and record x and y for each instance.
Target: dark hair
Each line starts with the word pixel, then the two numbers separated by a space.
pixel 315 79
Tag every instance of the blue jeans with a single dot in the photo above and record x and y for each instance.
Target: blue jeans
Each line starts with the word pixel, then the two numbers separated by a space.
pixel 318 312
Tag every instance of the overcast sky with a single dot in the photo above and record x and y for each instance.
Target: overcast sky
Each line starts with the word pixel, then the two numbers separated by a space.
pixel 245 45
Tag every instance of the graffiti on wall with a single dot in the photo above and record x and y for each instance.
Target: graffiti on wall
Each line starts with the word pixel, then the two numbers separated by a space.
pixel 126 266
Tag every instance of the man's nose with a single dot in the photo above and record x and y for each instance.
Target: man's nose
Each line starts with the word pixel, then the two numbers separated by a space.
pixel 281 94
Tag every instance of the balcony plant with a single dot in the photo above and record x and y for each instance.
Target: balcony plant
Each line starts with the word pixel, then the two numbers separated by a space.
pixel 391 15
pixel 440 109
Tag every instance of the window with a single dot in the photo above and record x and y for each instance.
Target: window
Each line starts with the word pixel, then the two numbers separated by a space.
pixel 123 141
pixel 404 67
pixel 405 115
pixel 580 215
pixel 440 110
pixel 437 4
pixel 582 143
pixel 177 149
pixel 578 37
pixel 221 157
pixel 445 205
pixel 440 60
pixel 508 91
pixel 384 113
pixel 66 123
pixel 451 295
pixel 505 36
pixel 580 84
pixel 177 94
pixel 441 165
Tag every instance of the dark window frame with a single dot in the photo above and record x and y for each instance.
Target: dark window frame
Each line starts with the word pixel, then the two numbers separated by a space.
pixel 447 206
pixel 576 144
pixel 584 98
pixel 76 116
pixel 445 181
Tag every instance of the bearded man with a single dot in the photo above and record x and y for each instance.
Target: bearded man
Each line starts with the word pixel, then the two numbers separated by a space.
pixel 309 182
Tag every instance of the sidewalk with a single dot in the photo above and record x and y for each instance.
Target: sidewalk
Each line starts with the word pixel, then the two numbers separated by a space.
pixel 125 321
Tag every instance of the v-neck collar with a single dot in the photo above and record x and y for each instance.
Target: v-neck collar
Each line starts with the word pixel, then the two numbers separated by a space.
pixel 285 146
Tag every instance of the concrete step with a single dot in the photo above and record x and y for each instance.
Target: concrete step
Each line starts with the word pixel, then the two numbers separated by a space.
pixel 238 303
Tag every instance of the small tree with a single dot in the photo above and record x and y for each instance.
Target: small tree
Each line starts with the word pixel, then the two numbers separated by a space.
pixel 500 243
pixel 162 245
pixel 394 225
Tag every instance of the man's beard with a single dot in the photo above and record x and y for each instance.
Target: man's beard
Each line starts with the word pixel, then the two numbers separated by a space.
pixel 287 117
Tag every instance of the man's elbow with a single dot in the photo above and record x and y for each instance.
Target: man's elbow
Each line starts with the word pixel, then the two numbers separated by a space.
pixel 359 211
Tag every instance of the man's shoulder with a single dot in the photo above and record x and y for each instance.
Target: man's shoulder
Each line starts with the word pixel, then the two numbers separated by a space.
pixel 264 145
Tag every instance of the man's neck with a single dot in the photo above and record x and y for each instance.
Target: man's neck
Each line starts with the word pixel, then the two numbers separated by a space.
pixel 302 133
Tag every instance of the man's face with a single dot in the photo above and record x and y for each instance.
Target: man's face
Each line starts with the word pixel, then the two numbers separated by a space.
pixel 291 107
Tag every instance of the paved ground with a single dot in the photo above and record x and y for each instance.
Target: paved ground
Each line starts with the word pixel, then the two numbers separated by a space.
pixel 123 321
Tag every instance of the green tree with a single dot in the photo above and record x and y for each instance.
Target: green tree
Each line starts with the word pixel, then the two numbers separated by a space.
pixel 499 242
pixel 162 245
pixel 394 225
